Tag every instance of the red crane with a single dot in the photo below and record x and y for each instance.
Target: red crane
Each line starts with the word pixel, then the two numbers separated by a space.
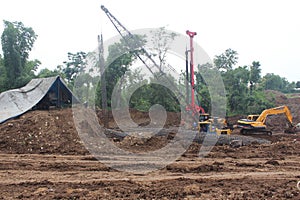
pixel 196 109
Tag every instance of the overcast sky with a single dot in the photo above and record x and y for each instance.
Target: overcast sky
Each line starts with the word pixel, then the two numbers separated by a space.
pixel 267 31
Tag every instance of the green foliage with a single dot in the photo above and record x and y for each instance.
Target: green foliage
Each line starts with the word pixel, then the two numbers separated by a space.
pixel 76 75
pixel 257 102
pixel 130 85
pixel 235 82
pixel 28 72
pixel 161 41
pixel 158 93
pixel 3 78
pixel 298 84
pixel 85 87
pixel 254 75
pixel 274 82
pixel 255 72
pixel 44 73
pixel 226 60
pixel 143 94
pixel 241 83
pixel 148 95
pixel 202 93
pixel 76 64
pixel 120 56
pixel 17 41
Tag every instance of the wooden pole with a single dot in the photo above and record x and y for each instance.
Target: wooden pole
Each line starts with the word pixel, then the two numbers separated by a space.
pixel 103 81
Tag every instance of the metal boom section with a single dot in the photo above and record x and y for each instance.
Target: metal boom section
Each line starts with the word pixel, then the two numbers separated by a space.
pixel 127 35
pixel 124 33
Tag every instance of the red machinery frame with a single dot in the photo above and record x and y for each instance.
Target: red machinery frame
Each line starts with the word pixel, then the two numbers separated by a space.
pixel 196 109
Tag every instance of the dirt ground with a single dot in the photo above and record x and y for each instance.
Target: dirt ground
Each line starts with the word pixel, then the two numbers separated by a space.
pixel 42 157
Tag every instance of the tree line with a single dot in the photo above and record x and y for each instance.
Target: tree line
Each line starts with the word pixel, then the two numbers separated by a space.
pixel 245 86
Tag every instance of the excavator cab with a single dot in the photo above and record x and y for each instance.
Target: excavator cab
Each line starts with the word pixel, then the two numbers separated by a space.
pixel 252 117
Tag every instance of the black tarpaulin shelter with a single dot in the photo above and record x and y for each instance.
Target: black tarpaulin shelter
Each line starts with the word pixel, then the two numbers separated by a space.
pixel 40 93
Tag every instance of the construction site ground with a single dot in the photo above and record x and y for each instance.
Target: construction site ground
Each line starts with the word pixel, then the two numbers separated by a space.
pixel 42 157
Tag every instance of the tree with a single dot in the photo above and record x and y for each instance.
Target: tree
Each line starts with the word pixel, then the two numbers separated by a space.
pixel 243 97
pixel 235 82
pixel 150 94
pixel 163 95
pixel 44 73
pixel 298 84
pixel 120 57
pixel 257 102
pixel 161 41
pixel 3 78
pixel 17 41
pixel 201 89
pixel 275 82
pixel 154 93
pixel 76 64
pixel 28 72
pixel 254 74
pixel 226 60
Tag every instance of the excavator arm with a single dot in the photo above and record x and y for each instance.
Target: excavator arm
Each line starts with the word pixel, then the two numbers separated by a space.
pixel 275 111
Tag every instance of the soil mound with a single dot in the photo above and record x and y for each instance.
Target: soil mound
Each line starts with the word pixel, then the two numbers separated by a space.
pixel 40 131
pixel 279 122
pixel 54 132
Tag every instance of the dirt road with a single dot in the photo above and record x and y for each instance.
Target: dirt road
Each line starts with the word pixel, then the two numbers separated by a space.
pixel 269 171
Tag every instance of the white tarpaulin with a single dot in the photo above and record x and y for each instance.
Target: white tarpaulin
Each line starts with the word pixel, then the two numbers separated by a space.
pixel 17 101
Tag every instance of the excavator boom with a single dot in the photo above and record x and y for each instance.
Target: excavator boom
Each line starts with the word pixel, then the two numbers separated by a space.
pixel 275 111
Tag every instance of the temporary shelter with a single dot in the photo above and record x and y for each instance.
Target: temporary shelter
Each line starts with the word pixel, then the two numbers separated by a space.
pixel 40 93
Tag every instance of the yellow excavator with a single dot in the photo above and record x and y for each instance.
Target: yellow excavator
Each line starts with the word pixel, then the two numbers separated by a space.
pixel 256 123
